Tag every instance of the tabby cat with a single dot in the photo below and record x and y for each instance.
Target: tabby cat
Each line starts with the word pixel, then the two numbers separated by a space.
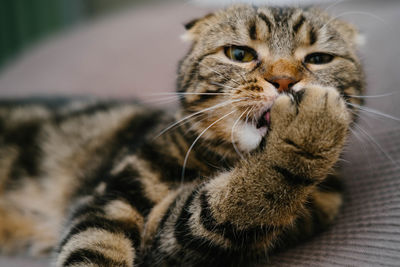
pixel 246 167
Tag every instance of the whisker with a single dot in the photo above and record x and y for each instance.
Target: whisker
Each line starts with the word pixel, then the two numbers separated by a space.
pixel 333 5
pixel 362 115
pixel 254 118
pixel 376 144
pixel 187 93
pixel 167 99
pixel 356 114
pixel 361 140
pixel 241 75
pixel 220 74
pixel 161 93
pixel 246 94
pixel 159 99
pixel 355 13
pixel 365 119
pixel 358 137
pixel 371 96
pixel 194 114
pixel 223 85
pixel 197 123
pixel 195 141
pixel 373 111
pixel 232 137
pixel 248 113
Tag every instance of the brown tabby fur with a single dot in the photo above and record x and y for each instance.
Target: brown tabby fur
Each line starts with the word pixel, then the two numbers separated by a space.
pixel 98 185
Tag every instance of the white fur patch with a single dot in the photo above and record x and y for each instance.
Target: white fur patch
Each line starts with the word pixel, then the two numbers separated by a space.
pixel 248 137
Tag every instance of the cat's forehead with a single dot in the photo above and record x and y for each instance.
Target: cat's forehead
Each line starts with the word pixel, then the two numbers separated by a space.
pixel 270 23
pixel 275 18
pixel 281 28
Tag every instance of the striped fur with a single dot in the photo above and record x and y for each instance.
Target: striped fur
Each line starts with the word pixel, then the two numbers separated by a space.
pixel 99 186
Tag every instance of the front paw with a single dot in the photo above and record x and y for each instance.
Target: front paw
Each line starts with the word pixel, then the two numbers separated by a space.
pixel 313 123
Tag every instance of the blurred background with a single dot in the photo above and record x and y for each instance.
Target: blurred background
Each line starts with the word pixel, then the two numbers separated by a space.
pixel 83 47
pixel 24 22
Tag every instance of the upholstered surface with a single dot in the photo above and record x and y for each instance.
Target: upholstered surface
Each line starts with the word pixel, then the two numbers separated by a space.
pixel 135 53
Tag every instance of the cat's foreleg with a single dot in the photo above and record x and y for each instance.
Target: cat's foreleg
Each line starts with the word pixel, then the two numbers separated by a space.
pixel 101 232
pixel 248 209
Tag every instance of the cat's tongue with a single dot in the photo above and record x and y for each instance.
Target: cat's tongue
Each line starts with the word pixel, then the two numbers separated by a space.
pixel 268 117
pixel 264 120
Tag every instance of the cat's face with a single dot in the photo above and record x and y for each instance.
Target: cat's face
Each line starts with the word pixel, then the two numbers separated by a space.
pixel 243 57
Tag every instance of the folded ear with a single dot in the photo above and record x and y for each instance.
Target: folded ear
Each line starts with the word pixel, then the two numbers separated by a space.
pixel 195 26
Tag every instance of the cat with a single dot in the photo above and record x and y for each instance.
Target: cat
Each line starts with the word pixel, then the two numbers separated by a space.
pixel 245 168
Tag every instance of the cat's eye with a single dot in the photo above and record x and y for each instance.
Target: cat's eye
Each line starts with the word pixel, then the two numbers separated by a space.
pixel 318 58
pixel 240 53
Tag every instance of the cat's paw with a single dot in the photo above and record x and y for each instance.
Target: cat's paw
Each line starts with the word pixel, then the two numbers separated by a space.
pixel 313 123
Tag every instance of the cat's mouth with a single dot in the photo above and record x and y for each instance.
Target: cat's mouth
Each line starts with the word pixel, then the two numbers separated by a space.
pixel 264 120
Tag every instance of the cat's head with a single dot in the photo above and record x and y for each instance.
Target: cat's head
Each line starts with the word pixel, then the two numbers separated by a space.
pixel 243 57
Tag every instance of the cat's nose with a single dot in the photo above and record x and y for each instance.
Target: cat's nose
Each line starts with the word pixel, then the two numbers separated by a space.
pixel 283 84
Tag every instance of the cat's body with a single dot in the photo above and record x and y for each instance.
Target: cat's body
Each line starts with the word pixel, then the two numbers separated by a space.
pixel 263 92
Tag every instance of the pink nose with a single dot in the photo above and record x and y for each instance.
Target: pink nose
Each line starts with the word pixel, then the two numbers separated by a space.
pixel 283 84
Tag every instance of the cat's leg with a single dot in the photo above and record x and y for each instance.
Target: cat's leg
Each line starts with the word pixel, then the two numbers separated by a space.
pixel 323 206
pixel 248 209
pixel 326 201
pixel 101 236
pixel 105 228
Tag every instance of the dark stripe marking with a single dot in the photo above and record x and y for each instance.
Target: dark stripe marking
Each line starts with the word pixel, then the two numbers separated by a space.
pixel 253 31
pixel 204 150
pixel 300 151
pixel 312 35
pixel 228 230
pixel 126 185
pixel 129 137
pixel 293 179
pixel 331 183
pixel 86 111
pixel 154 252
pixel 130 231
pixel 2 128
pixel 298 96
pixel 25 138
pixel 171 169
pixel 85 256
pixel 90 208
pixel 209 251
pixel 256 66
pixel 266 20
pixel 178 141
pixel 192 72
pixel 298 24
